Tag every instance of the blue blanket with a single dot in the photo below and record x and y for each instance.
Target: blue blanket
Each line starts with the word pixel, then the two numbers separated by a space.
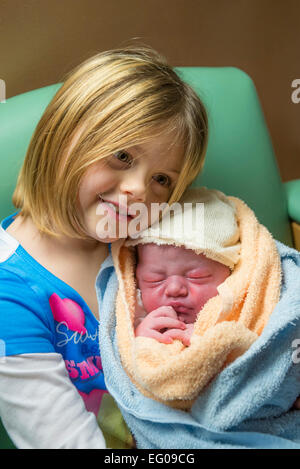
pixel 248 405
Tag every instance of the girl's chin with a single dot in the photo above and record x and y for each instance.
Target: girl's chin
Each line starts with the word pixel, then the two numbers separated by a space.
pixel 106 238
pixel 109 234
pixel 102 236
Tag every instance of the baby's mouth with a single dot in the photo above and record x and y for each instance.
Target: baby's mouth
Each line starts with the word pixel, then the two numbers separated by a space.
pixel 180 308
pixel 184 313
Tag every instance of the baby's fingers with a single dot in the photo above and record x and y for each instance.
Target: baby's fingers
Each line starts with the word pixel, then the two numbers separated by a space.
pixel 179 335
pixel 152 334
pixel 164 311
pixel 166 323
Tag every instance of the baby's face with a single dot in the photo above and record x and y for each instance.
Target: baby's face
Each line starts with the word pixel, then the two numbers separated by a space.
pixel 177 277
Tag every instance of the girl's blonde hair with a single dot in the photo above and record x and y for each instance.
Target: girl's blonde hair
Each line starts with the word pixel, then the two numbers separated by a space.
pixel 113 100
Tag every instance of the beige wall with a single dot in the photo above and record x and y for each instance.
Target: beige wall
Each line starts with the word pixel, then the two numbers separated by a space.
pixel 40 40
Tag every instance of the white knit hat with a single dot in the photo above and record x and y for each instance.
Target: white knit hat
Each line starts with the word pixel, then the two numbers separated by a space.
pixel 204 220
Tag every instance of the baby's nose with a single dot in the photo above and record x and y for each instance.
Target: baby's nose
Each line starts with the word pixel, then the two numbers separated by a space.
pixel 176 287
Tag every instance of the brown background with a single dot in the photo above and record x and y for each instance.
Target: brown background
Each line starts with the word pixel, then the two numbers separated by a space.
pixel 40 40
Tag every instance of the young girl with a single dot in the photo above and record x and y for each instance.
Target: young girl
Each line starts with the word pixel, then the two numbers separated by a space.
pixel 122 125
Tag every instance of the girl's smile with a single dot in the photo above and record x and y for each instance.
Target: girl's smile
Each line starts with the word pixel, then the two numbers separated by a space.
pixel 119 212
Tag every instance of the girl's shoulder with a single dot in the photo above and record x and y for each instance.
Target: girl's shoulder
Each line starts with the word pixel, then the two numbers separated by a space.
pixel 26 326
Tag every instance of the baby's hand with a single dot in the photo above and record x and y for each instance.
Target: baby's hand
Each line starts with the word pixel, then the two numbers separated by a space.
pixel 184 336
pixel 164 317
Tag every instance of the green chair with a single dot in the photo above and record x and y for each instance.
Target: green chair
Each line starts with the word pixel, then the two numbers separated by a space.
pixel 240 159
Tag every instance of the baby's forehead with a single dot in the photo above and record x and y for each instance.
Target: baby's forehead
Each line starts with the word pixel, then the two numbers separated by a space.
pixel 152 253
pixel 163 249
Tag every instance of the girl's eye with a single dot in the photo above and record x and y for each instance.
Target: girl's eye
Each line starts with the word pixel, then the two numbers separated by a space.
pixel 162 179
pixel 121 157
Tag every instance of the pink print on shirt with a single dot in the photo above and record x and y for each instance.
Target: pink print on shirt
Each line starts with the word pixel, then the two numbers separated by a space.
pixel 68 312
pixel 76 339
pixel 85 369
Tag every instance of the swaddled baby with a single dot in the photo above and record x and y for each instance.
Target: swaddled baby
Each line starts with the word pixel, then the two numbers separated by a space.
pixel 174 281
pixel 213 286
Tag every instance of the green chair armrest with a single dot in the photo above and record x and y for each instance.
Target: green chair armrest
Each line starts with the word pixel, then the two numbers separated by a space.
pixel 5 441
pixel 292 190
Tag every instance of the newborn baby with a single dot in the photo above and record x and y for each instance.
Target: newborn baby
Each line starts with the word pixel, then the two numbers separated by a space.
pixel 174 284
pixel 210 289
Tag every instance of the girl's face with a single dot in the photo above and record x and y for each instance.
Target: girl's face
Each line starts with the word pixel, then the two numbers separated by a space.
pixel 145 173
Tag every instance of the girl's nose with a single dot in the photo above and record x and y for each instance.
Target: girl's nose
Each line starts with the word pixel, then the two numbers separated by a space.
pixel 176 287
pixel 133 186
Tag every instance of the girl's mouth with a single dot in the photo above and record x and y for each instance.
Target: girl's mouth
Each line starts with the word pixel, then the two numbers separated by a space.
pixel 115 209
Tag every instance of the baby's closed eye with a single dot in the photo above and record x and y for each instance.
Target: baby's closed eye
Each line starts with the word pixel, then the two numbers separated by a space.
pixel 199 275
pixel 153 278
